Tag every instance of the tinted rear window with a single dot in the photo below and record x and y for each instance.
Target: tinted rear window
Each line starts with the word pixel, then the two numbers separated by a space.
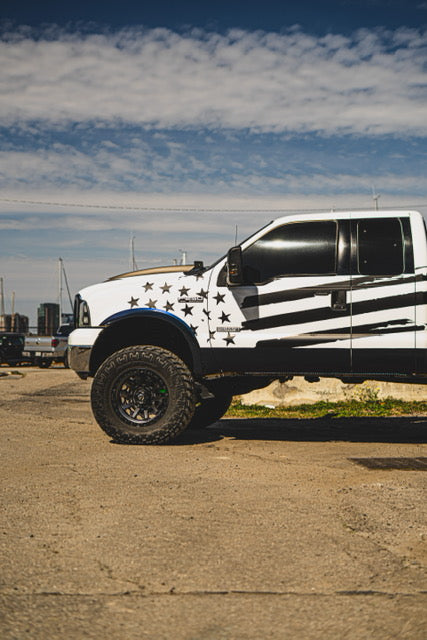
pixel 380 247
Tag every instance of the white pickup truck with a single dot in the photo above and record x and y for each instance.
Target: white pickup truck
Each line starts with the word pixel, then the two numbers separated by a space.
pixel 341 294
pixel 42 351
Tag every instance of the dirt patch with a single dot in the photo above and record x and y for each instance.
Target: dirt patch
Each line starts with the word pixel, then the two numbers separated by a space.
pixel 252 528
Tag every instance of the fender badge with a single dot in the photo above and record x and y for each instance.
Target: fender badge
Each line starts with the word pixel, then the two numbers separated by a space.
pixel 184 300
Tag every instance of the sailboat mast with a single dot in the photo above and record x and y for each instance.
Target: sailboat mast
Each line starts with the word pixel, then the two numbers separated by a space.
pixel 1 297
pixel 60 289
pixel 132 262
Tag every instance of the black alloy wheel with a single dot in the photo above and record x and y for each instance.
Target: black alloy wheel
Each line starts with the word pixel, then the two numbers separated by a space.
pixel 143 395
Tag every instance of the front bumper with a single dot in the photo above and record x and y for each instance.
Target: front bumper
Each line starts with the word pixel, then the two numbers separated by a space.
pixel 79 360
pixel 80 345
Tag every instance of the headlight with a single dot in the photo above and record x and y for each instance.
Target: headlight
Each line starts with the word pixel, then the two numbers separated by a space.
pixel 81 313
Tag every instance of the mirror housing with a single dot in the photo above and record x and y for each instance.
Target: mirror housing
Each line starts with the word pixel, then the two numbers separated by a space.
pixel 234 266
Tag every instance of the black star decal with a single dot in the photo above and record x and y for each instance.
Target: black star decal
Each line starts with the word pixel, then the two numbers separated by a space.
pixel 187 310
pixel 194 329
pixel 148 285
pixel 229 339
pixel 184 291
pixel 166 288
pixel 211 335
pixel 219 297
pixel 207 313
pixel 203 294
pixel 224 317
pixel 133 302
pixel 168 306
pixel 151 304
pixel 199 276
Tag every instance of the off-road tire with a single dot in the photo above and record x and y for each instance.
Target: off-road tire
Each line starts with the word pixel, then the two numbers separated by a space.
pixel 143 395
pixel 210 410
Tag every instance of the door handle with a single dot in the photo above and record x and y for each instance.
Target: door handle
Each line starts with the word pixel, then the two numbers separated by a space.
pixel 339 300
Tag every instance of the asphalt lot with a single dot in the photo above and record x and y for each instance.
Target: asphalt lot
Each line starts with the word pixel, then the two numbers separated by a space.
pixel 251 529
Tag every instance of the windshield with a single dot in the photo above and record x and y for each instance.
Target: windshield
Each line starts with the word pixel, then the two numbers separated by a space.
pixel 239 244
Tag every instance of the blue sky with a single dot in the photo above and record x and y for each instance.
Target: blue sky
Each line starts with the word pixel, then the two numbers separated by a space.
pixel 173 122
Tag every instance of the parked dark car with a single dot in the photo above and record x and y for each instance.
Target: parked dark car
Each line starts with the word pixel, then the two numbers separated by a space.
pixel 11 348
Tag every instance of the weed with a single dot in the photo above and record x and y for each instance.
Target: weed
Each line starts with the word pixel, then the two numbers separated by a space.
pixel 370 405
pixel 367 394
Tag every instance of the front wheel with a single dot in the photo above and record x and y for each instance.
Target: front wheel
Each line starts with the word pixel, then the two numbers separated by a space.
pixel 143 395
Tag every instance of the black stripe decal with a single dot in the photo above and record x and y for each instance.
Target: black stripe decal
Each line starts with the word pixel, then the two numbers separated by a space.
pixel 309 292
pixel 326 313
pixel 312 339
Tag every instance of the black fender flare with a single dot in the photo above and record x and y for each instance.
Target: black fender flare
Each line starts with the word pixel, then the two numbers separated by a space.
pixel 164 318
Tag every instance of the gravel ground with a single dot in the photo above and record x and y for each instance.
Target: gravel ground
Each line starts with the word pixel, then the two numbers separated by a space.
pixel 251 529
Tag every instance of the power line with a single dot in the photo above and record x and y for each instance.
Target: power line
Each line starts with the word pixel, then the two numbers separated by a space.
pixel 188 209
pixel 131 208
pixel 140 208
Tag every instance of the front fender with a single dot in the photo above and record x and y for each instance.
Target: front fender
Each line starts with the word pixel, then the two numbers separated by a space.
pixel 162 319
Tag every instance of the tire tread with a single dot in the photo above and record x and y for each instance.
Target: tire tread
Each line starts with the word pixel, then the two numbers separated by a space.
pixel 161 358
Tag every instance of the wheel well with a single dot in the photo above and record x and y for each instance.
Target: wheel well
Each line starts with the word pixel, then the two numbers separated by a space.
pixel 141 331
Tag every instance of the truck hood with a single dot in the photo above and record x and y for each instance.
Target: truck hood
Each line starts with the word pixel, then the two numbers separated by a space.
pixel 166 289
pixel 153 270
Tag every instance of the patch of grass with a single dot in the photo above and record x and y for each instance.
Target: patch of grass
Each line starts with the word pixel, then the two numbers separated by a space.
pixel 351 408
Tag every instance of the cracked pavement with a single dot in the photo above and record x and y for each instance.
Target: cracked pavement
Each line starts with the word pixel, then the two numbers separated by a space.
pixel 251 529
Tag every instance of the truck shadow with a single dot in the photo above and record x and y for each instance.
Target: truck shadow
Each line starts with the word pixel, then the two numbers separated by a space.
pixel 405 430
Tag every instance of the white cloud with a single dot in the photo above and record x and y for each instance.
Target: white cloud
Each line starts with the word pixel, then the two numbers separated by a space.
pixel 372 82
pixel 72 182
pixel 161 219
pixel 135 174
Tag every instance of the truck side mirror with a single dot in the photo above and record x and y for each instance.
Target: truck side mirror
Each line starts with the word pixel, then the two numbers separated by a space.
pixel 234 266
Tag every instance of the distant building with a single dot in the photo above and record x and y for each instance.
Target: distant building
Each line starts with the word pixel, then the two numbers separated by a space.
pixel 5 322
pixel 14 322
pixel 47 318
pixel 20 324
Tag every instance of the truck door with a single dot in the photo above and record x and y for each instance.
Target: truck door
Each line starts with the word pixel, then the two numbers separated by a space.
pixel 383 296
pixel 292 313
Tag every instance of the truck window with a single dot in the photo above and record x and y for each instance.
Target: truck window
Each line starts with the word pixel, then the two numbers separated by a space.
pixel 297 248
pixel 380 247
